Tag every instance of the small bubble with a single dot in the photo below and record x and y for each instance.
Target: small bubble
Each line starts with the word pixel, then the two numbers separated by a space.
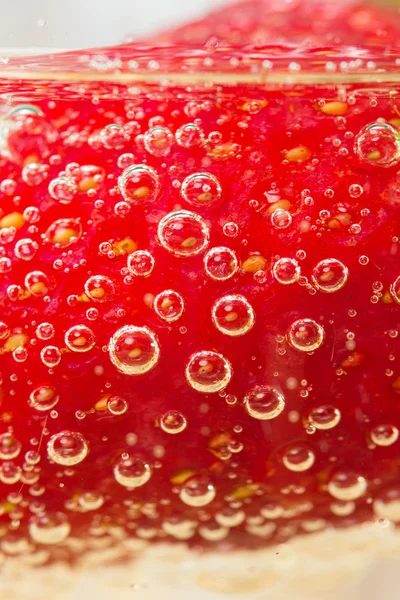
pixel 139 184
pixel 25 249
pixel 201 189
pixel 132 472
pixel 395 290
pixel 64 232
pixel 45 331
pixel 122 209
pixel 140 263
pixel 10 447
pixel 37 283
pixel 330 275
pixel 99 288
pixel 286 270
pixel 220 263
pixel 63 189
pixel 197 491
pixel 91 500
pixel 306 335
pixel 384 435
pixel 264 402
pixel 173 422
pixel 117 405
pixel 113 137
pixel 43 397
pixel 134 350
pixel 190 136
pixel 50 356
pixel 355 190
pixel 230 229
pixel 363 260
pixel 281 218
pixel 324 417
pixel 67 448
pixel 387 503
pixel 208 372
pixel 183 233
pixel 169 305
pixel 233 315
pixel 34 173
pixel 347 486
pixel 158 141
pixel 79 338
pixel 298 458
pixel 49 528
pixel 378 145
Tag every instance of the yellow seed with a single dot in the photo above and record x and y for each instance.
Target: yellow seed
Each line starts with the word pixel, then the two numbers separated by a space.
pixel 125 246
pixel 231 316
pixel 342 219
pixel 395 122
pixel 87 183
pixel 101 405
pixel 189 242
pixel 219 440
pixel 223 150
pixel 79 341
pixel 15 341
pixel 167 303
pixel 374 155
pixel 335 108
pixel 205 369
pixel 206 197
pixel 140 192
pixel 298 154
pixel 97 292
pixel 387 298
pixel 14 219
pixel 39 288
pixel 31 158
pixel 244 491
pixel 327 276
pixel 135 353
pixel 45 394
pixel 283 204
pixel 83 298
pixel 254 263
pixel 63 235
pixel 181 476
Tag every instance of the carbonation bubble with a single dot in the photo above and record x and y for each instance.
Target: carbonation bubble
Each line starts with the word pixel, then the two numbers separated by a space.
pixel 264 402
pixel 281 218
pixel 26 249
pixel 208 372
pixel 79 338
pixel 183 233
pixel 113 137
pixel 387 503
pixel 342 509
pixel 230 517
pixel 378 145
pixel 45 331
pixel 64 232
pixel 395 290
pixel 67 448
pixel 179 528
pixel 117 405
pixel 4 331
pixel 10 447
pixel 37 283
pixel 139 184
pixel 233 315
pixel 63 189
pixel 34 173
pixel 197 491
pixel 201 189
pixel 355 191
pixel 230 229
pixel 305 335
pixel 43 397
pixel 330 275
pixel 286 270
pixel 173 422
pixel 50 356
pixel 213 533
pixel 91 500
pixel 298 458
pixel 221 263
pixel 99 288
pixel 140 263
pixel 384 435
pixel 10 473
pixel 49 528
pixel 134 350
pixel 347 486
pixel 158 141
pixel 189 136
pixel 132 472
pixel 324 417
pixel 169 305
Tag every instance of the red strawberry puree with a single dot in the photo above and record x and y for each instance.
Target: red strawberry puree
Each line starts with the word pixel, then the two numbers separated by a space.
pixel 200 284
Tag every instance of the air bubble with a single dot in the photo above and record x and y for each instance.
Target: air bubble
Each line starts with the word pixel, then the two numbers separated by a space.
pixel 34 173
pixel 50 356
pixel 26 249
pixel 183 233
pixel 63 189
pixel 378 145
pixel 395 290
pixel 79 338
pixel 43 397
pixel 208 372
pixel 324 417
pixel 67 448
pixel 139 184
pixel 99 288
pixel 233 315
pixel 305 335
pixel 221 263
pixel 140 263
pixel 384 435
pixel 231 229
pixel 264 402
pixel 113 137
pixel 355 190
pixel 64 232
pixel 281 218
pixel 197 491
pixel 132 472
pixel 169 305
pixel 330 275
pixel 158 141
pixel 10 447
pixel 37 283
pixel 91 500
pixel 347 486
pixel 4 331
pixel 387 503
pixel 45 331
pixel 298 458
pixel 286 270
pixel 173 422
pixel 201 189
pixel 117 405
pixel 190 136
pixel 49 528
pixel 10 473
pixel 229 517
pixel 134 350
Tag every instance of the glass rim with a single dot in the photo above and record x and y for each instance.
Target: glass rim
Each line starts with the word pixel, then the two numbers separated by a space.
pixel 191 65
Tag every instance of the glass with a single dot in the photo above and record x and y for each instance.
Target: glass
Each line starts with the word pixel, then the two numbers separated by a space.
pixel 199 328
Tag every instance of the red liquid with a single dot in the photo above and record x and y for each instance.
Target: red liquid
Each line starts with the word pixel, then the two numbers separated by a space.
pixel 287 421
